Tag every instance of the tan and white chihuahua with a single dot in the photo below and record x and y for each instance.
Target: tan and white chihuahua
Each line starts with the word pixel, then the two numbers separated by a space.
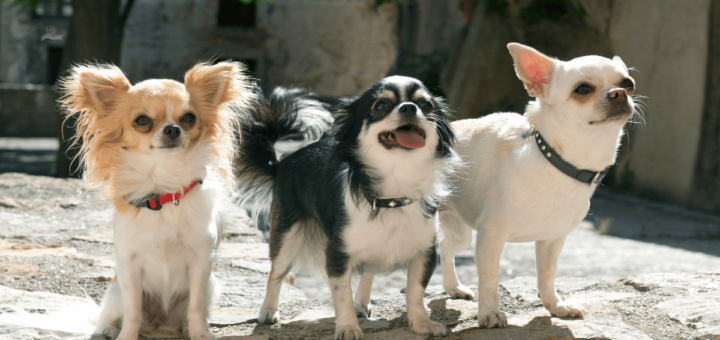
pixel 163 151
pixel 530 177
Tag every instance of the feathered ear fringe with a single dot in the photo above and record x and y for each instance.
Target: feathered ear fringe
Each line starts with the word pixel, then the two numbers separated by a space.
pixel 91 93
pixel 218 92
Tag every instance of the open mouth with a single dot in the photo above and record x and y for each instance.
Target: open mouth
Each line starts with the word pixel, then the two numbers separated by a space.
pixel 409 136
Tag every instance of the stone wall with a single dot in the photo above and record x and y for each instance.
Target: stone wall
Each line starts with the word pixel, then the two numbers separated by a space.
pixel 27 110
pixel 667 43
pixel 24 57
pixel 333 47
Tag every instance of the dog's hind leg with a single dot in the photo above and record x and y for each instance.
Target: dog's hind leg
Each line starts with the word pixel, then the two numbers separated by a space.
pixel 284 246
pixel 456 237
pixel 363 309
pixel 419 272
pixel 546 255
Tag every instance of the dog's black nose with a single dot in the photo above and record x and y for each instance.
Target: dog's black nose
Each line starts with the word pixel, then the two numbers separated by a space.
pixel 172 131
pixel 408 110
pixel 618 95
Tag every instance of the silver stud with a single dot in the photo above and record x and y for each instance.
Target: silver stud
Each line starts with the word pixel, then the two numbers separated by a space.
pixel 391 204
pixel 543 147
pixel 407 201
pixel 537 135
pixel 539 141
pixel 548 154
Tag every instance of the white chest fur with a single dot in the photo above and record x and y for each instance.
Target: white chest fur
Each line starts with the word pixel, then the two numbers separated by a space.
pixel 162 243
pixel 509 185
pixel 389 240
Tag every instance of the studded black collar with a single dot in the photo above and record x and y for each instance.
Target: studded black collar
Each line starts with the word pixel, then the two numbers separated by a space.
pixel 394 202
pixel 585 176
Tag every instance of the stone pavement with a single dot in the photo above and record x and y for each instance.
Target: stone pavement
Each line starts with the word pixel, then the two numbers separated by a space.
pixel 56 251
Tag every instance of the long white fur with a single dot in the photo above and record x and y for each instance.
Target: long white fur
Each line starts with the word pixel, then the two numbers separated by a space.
pixel 169 251
pixel 509 192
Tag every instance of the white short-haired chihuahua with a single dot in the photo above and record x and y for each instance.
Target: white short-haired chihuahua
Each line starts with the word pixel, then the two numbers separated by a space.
pixel 530 177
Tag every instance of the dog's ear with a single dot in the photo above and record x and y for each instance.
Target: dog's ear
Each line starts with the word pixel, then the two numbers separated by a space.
pixel 532 67
pixel 211 86
pixel 96 88
pixel 621 62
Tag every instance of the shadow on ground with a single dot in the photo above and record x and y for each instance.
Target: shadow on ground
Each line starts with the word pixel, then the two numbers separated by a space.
pixel 661 223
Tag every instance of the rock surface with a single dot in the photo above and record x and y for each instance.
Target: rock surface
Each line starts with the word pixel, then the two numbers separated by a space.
pixel 56 251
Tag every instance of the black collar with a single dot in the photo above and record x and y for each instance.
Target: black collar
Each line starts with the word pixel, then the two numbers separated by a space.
pixel 584 176
pixel 394 202
pixel 428 203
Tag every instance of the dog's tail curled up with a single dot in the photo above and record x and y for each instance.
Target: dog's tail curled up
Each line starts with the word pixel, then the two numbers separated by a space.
pixel 273 128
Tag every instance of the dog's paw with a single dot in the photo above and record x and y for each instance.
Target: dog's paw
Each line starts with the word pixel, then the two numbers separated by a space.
pixel 564 309
pixel 493 319
pixel 460 292
pixel 268 316
pixel 111 332
pixel 108 332
pixel 348 332
pixel 363 311
pixel 428 326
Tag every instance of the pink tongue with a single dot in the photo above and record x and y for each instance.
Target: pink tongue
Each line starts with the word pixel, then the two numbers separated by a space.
pixel 409 139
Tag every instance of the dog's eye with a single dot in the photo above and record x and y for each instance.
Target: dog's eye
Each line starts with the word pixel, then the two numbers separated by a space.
pixel 142 120
pixel 425 105
pixel 188 118
pixel 628 84
pixel 583 89
pixel 382 107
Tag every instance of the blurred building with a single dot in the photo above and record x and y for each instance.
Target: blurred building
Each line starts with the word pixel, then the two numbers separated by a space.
pixel 341 47
pixel 672 46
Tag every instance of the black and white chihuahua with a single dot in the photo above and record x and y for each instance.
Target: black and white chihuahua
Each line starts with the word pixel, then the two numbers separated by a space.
pixel 360 199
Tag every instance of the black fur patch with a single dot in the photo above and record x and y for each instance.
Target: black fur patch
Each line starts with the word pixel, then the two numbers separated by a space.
pixel 430 264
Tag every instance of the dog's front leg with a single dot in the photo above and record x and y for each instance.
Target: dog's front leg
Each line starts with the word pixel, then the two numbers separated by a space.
pixel 347 326
pixel 129 278
pixel 363 309
pixel 200 292
pixel 420 270
pixel 488 248
pixel 546 255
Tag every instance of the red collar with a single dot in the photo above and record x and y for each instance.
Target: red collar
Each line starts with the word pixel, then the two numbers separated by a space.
pixel 156 201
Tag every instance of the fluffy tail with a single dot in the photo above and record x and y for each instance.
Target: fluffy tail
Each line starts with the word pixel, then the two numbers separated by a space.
pixel 290 119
